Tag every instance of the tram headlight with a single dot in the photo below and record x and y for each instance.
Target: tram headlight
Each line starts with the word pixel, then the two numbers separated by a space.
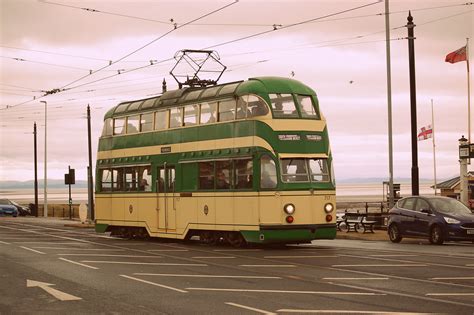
pixel 289 208
pixel 328 208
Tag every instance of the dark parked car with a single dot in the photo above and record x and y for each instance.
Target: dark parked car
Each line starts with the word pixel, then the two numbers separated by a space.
pixel 437 218
pixel 20 209
pixel 8 210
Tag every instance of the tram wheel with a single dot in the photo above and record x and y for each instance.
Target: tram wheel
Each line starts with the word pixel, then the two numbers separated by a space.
pixel 235 239
pixel 209 237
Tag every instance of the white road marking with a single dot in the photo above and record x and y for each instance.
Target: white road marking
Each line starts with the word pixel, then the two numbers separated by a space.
pixel 382 265
pixel 394 255
pixel 77 263
pixel 284 291
pixel 237 250
pixel 62 296
pixel 155 284
pixel 360 278
pixel 33 250
pixel 309 256
pixel 453 278
pixel 111 255
pixel 70 248
pixel 47 242
pixel 268 266
pixel 450 294
pixel 1 242
pixel 140 263
pixel 213 257
pixel 348 312
pixel 167 250
pixel 250 308
pixel 203 276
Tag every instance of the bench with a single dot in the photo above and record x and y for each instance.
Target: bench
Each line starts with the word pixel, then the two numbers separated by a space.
pixel 358 222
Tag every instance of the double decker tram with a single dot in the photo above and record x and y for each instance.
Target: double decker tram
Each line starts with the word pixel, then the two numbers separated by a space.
pixel 243 162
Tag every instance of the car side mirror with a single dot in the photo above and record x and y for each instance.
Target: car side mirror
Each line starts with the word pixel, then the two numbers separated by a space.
pixel 427 211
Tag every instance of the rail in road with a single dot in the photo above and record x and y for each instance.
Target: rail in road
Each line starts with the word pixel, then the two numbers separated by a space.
pixel 106 274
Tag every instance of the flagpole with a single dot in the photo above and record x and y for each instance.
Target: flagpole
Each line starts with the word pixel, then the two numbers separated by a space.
pixel 434 145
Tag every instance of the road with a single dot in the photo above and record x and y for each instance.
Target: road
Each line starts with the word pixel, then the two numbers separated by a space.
pixel 76 270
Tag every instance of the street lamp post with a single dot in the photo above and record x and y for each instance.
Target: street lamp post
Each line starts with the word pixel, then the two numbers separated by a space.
pixel 45 211
pixel 463 158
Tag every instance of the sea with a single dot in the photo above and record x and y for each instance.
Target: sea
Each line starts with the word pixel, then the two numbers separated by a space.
pixel 345 192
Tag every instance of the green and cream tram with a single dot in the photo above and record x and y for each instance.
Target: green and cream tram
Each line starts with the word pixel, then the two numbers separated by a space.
pixel 246 161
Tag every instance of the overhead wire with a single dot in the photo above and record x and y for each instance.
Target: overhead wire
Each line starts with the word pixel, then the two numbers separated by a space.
pixel 308 21
pixel 129 54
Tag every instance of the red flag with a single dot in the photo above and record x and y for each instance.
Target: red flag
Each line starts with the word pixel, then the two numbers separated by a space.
pixel 426 132
pixel 456 56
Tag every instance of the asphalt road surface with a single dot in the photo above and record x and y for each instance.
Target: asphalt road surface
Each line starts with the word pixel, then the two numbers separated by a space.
pixel 47 268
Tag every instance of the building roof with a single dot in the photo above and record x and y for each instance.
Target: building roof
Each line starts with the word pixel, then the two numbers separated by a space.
pixel 451 183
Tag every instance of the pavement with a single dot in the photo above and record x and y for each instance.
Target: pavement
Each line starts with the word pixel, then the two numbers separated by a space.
pixel 378 235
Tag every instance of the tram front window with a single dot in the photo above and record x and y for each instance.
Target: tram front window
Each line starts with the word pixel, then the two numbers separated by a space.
pixel 283 105
pixel 306 106
pixel 297 170
pixel 294 170
pixel 319 170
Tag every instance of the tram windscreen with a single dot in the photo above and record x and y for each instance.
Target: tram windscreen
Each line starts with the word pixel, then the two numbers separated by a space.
pixel 296 170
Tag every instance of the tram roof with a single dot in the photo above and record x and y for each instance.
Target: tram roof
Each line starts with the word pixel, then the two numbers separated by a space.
pixel 260 85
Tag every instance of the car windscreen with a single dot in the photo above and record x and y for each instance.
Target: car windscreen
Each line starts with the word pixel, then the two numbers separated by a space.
pixel 450 206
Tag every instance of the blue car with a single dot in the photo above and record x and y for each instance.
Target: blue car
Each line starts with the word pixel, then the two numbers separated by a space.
pixel 8 210
pixel 437 218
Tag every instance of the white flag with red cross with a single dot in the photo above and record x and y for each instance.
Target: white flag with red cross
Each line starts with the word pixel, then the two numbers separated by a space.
pixel 426 132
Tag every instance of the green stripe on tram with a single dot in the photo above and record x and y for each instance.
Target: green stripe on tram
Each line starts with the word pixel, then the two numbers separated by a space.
pixel 231 130
pixel 289 236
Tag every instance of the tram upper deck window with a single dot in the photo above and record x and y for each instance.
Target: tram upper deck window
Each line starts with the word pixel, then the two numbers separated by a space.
pixel 134 105
pixel 108 128
pixel 283 105
pixel 119 126
pixel 133 124
pixel 226 110
pixel 208 113
pixel 121 108
pixel 229 88
pixel 210 92
pixel 191 114
pixel 161 120
pixel 146 122
pixel 306 106
pixel 148 103
pixel 250 106
pixel 176 117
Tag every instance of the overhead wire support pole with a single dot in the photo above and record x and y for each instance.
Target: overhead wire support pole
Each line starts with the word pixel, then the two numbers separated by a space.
pixel 45 196
pixel 89 169
pixel 36 171
pixel 414 137
pixel 389 104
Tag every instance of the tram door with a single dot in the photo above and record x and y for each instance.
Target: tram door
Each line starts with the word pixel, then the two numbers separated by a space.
pixel 165 194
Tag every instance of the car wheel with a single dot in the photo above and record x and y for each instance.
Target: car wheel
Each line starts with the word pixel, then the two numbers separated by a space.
pixel 394 233
pixel 436 235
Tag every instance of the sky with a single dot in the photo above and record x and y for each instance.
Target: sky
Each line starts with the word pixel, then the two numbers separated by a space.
pixel 338 48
